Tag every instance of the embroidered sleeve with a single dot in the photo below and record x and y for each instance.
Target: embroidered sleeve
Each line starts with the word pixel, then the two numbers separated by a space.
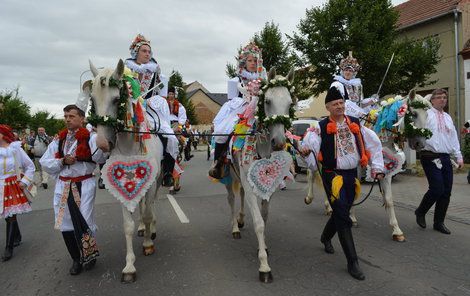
pixel 27 165
pixel 312 141
pixel 49 162
pixel 182 117
pixel 374 146
pixel 454 139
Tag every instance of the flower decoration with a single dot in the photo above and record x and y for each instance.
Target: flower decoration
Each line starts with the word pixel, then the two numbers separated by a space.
pixel 140 172
pixel 130 186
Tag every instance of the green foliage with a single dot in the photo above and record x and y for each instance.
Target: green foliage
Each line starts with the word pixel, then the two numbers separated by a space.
pixel 231 70
pixel 13 110
pixel 177 81
pixel 368 28
pixel 46 120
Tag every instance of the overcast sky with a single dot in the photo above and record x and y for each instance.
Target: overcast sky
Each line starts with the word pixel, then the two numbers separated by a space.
pixel 45 45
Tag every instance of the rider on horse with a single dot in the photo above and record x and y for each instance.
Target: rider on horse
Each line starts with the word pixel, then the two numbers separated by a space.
pixel 250 68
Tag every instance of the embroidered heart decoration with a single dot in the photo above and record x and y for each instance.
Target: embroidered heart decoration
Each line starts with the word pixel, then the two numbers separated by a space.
pixel 265 175
pixel 128 179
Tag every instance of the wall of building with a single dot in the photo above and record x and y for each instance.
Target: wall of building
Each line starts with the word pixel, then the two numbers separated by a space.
pixel 206 109
pixel 443 28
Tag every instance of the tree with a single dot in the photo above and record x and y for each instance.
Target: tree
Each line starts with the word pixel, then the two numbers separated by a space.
pixel 13 110
pixel 46 120
pixel 176 80
pixel 368 29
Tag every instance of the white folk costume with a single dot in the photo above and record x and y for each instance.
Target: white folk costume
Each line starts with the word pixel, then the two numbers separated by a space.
pixel 341 147
pixel 158 115
pixel 177 112
pixel 351 89
pixel 228 115
pixel 12 199
pixel 74 194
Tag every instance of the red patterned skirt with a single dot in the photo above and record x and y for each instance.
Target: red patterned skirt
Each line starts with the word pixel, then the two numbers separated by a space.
pixel 14 200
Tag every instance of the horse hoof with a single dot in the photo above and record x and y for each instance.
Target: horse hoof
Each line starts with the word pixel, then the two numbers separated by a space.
pixel 153 236
pixel 240 225
pixel 236 235
pixel 149 250
pixel 266 277
pixel 140 233
pixel 128 278
pixel 399 238
pixel 308 200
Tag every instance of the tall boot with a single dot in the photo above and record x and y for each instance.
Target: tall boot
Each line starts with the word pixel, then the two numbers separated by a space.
pixel 74 251
pixel 168 166
pixel 440 214
pixel 347 242
pixel 17 240
pixel 216 170
pixel 10 238
pixel 328 233
pixel 423 208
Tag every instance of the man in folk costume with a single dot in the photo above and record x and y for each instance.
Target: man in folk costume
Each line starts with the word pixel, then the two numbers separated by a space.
pixel 72 159
pixel 349 86
pixel 341 145
pixel 177 110
pixel 154 87
pixel 250 69
pixel 435 159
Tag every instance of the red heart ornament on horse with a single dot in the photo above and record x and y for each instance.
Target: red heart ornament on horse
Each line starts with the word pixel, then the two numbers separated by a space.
pixel 265 175
pixel 129 178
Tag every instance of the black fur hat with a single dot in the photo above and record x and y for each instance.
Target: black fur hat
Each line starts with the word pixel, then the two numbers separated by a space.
pixel 333 95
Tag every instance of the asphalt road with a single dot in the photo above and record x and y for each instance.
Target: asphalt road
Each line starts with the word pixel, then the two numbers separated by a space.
pixel 201 258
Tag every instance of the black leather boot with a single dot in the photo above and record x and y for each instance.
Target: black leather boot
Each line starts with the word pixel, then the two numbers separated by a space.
pixel 216 171
pixel 347 242
pixel 17 240
pixel 168 166
pixel 328 233
pixel 10 238
pixel 440 214
pixel 74 251
pixel 423 208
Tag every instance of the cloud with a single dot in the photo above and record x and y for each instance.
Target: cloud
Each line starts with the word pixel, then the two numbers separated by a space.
pixel 46 44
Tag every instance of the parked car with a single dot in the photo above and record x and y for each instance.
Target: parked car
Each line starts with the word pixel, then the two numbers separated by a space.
pixel 299 129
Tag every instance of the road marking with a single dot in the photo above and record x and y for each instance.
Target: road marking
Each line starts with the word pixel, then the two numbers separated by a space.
pixel 179 212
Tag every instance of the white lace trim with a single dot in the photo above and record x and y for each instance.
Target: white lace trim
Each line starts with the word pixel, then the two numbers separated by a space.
pixel 151 67
pixel 352 82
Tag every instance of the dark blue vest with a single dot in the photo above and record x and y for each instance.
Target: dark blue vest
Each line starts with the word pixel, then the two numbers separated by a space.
pixel 328 144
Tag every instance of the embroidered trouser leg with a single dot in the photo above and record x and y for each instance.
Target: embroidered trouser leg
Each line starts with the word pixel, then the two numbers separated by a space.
pixel 440 186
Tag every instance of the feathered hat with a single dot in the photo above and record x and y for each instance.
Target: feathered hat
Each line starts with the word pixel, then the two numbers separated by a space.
pixel 139 40
pixel 350 62
pixel 253 50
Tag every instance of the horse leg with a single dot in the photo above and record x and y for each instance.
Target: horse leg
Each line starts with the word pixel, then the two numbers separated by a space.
pixel 231 201
pixel 328 209
pixel 386 183
pixel 310 180
pixel 141 227
pixel 148 218
pixel 129 271
pixel 352 215
pixel 241 214
pixel 265 274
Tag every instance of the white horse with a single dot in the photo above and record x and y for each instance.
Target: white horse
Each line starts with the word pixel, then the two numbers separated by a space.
pixel 277 101
pixel 418 116
pixel 105 99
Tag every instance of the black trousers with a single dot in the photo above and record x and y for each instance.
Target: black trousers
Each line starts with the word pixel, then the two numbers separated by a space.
pixel 168 162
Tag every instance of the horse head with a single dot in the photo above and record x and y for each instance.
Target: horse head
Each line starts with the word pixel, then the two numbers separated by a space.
pixel 277 103
pixel 415 121
pixel 105 91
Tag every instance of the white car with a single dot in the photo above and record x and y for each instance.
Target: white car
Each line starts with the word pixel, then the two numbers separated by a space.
pixel 299 129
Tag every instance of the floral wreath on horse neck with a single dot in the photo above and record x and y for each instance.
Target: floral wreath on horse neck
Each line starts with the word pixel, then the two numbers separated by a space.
pixel 410 129
pixel 261 117
pixel 117 122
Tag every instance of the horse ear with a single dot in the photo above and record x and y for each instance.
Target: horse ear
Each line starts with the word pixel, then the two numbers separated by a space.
pixel 272 73
pixel 412 94
pixel 93 69
pixel 86 87
pixel 290 76
pixel 119 70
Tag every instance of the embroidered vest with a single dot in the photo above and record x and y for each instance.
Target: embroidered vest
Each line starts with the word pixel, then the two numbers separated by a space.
pixel 83 151
pixel 327 155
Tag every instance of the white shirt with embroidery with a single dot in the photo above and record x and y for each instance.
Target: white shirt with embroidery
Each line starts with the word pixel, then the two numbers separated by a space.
pixel 8 156
pixel 347 156
pixel 444 135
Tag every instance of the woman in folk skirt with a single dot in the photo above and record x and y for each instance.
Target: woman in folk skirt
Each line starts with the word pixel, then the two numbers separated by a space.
pixel 12 198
